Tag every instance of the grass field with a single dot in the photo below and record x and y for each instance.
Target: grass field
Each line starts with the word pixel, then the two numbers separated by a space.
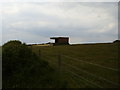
pixel 84 65
pixel 0 66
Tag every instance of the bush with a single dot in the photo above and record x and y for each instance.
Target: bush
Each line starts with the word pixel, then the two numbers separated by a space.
pixel 23 69
pixel 116 41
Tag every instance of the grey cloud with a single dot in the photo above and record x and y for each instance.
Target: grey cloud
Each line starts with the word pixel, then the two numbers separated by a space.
pixel 80 21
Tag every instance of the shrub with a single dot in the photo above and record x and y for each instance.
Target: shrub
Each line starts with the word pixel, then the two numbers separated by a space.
pixel 116 41
pixel 23 69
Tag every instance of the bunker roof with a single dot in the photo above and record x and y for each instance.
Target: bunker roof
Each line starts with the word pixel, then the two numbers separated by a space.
pixel 59 37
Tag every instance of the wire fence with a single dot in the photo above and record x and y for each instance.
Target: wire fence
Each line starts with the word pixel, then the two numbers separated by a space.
pixel 66 67
pixel 84 71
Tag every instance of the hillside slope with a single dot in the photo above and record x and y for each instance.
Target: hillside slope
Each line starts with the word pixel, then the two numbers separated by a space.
pixel 93 60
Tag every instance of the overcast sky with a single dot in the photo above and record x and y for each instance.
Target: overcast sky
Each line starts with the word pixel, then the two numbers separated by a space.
pixel 36 22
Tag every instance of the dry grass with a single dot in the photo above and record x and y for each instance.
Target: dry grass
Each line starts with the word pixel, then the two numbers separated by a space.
pixel 105 54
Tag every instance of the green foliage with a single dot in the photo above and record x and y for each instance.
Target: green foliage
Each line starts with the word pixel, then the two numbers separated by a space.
pixel 23 69
pixel 0 51
pixel 116 41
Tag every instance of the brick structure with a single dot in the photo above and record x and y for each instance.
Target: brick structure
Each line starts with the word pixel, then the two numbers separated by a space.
pixel 61 40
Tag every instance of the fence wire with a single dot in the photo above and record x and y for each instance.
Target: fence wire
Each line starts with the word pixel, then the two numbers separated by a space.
pixel 76 59
pixel 84 79
pixel 77 75
pixel 91 74
pixel 91 63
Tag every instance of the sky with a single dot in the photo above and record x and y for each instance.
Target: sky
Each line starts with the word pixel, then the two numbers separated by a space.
pixel 36 22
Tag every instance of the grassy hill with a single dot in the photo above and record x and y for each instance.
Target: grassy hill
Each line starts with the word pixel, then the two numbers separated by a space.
pixel 84 65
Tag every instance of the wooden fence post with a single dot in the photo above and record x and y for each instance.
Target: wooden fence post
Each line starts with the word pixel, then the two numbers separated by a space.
pixel 40 53
pixel 59 62
pixel 59 69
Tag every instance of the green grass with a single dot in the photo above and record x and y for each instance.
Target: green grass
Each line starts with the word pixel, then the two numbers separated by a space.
pixel 105 54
